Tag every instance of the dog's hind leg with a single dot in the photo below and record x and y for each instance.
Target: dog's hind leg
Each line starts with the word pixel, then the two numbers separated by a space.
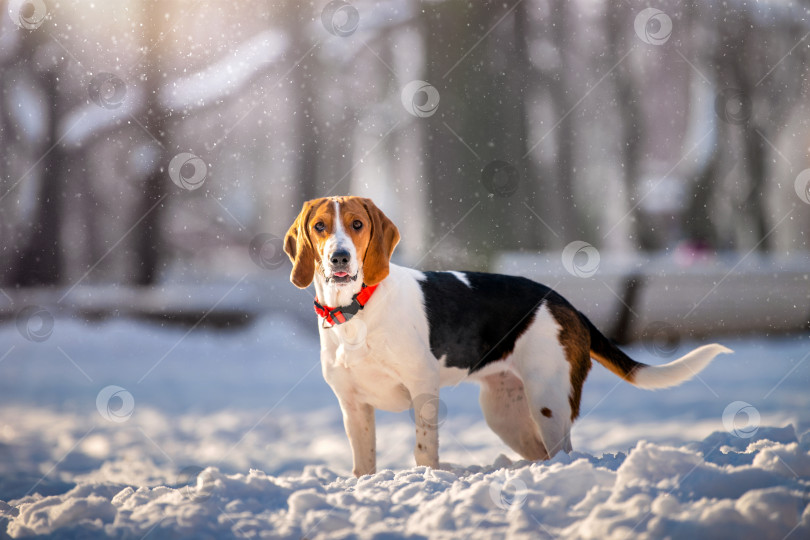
pixel 506 410
pixel 548 362
pixel 547 391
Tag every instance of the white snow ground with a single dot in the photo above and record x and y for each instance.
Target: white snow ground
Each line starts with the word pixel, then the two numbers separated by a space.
pixel 235 434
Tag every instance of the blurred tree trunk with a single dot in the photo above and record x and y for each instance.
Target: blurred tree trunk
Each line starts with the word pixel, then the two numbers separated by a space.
pixel 497 101
pixel 739 43
pixel 559 87
pixel 753 144
pixel 698 225
pixel 699 228
pixel 150 245
pixel 4 134
pixel 40 261
pixel 7 226
pixel 536 235
pixel 481 118
pixel 628 98
pixel 306 148
pixel 754 203
pixel 443 26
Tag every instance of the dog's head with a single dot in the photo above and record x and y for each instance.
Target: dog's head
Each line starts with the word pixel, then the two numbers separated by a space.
pixel 347 239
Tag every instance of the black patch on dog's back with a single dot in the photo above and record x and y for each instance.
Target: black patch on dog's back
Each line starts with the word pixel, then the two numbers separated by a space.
pixel 473 326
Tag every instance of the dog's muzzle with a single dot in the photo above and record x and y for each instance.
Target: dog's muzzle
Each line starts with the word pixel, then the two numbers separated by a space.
pixel 339 263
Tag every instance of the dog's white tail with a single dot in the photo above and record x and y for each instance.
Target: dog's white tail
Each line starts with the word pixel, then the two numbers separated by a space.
pixel 651 377
pixel 677 371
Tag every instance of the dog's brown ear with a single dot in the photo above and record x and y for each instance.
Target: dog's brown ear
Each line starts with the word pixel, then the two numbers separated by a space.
pixel 384 238
pixel 298 247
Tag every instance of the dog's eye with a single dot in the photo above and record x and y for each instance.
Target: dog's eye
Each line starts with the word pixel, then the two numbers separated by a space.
pixel 357 224
pixel 320 227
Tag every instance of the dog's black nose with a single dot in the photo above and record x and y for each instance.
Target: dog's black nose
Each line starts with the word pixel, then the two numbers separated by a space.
pixel 340 257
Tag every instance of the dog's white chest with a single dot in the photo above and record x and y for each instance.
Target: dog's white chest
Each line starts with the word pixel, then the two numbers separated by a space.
pixel 357 366
pixel 380 387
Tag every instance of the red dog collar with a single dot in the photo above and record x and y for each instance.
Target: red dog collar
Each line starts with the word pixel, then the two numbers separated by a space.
pixel 340 315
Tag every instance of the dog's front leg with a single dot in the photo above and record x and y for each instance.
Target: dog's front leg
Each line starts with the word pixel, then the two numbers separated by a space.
pixel 358 419
pixel 426 415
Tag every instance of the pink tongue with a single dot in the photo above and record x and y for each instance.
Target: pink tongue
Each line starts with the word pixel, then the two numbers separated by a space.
pixel 341 274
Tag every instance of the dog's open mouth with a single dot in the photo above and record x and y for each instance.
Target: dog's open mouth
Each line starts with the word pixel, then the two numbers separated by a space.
pixel 340 278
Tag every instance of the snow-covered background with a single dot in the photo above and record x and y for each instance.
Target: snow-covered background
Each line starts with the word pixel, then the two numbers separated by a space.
pixel 215 434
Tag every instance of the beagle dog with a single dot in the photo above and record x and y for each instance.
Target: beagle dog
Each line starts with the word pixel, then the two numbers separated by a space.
pixel 392 336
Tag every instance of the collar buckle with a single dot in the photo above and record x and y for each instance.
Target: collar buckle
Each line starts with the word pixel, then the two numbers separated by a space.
pixel 343 314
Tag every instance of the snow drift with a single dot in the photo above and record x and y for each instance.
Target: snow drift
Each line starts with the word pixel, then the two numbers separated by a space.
pixel 711 489
pixel 215 434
